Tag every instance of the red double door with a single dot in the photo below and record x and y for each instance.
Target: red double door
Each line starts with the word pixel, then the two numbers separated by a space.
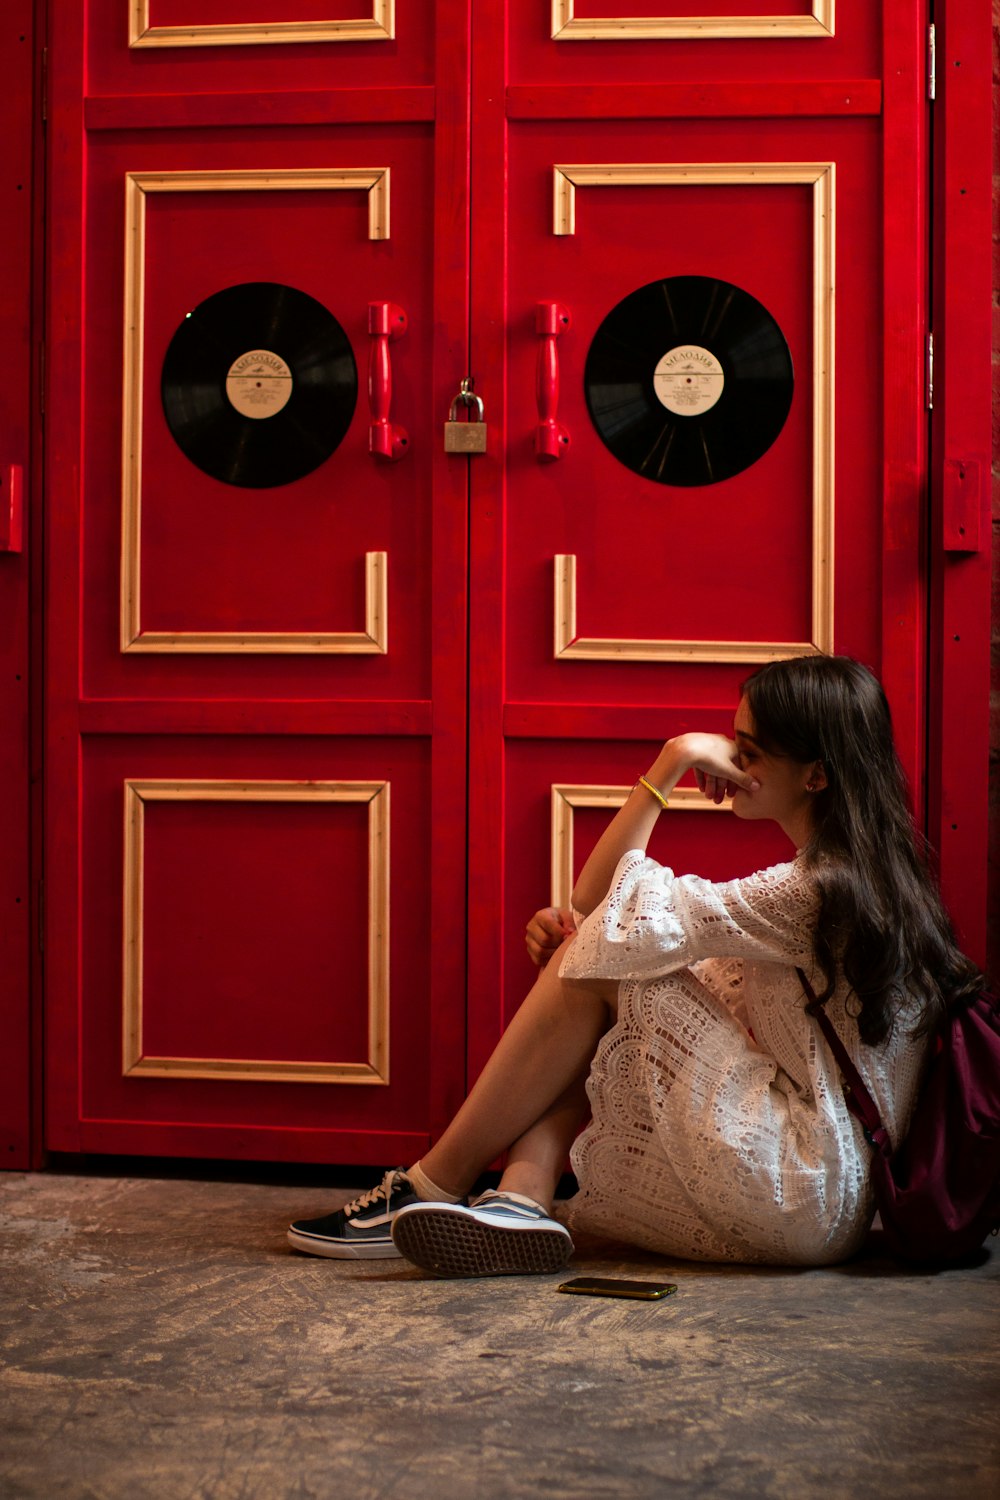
pixel 318 747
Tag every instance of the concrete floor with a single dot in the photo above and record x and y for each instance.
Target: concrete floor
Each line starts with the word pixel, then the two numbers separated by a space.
pixel 162 1341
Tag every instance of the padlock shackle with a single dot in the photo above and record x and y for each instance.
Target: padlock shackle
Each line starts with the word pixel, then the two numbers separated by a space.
pixel 468 398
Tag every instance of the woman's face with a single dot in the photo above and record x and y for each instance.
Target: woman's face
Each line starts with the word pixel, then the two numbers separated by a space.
pixel 787 787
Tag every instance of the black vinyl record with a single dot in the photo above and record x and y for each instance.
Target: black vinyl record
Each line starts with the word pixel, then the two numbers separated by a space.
pixel 688 380
pixel 259 384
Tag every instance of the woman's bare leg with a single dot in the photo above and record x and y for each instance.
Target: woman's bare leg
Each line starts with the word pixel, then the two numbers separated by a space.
pixel 536 1161
pixel 545 1051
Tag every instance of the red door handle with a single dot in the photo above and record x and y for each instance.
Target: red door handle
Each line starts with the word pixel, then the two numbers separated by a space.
pixel 386 439
pixel 11 508
pixel 551 437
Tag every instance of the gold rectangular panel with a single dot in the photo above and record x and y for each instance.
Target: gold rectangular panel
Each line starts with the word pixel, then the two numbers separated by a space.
pixel 568 27
pixel 373 639
pixel 567 797
pixel 820 176
pixel 380 26
pixel 134 1061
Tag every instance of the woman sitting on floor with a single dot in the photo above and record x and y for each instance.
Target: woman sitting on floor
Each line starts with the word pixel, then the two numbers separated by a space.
pixel 672 1014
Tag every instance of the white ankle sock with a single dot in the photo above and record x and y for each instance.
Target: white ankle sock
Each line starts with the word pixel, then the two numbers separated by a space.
pixel 426 1189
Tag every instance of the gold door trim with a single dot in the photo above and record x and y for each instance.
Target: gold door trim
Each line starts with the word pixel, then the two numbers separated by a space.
pixel 380 26
pixel 567 27
pixel 373 639
pixel 134 1061
pixel 566 179
pixel 375 181
pixel 821 177
pixel 569 796
pixel 568 645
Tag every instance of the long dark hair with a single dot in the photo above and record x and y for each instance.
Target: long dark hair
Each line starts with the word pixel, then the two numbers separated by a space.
pixel 881 923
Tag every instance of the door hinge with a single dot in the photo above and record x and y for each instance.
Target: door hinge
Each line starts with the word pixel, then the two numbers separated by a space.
pixel 931 62
pixel 930 372
pixel 45 85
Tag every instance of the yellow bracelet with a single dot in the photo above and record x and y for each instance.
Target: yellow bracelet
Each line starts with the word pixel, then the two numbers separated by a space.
pixel 651 788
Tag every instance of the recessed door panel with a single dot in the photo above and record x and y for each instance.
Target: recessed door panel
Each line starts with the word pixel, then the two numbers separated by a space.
pixel 249 927
pixel 717 573
pixel 294 570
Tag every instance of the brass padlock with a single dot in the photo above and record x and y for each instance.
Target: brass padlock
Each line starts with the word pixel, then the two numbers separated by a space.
pixel 468 436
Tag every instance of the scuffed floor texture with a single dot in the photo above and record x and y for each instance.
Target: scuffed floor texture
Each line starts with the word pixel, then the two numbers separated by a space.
pixel 162 1340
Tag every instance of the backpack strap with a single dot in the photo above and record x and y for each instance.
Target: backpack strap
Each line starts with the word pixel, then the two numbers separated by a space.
pixel 859 1101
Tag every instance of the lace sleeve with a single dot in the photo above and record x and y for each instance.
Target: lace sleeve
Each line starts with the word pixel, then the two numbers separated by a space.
pixel 652 921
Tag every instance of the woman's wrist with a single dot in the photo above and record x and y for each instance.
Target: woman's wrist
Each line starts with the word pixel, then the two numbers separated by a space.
pixel 653 791
pixel 666 770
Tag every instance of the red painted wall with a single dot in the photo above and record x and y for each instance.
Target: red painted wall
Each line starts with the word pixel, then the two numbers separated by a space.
pixel 16 562
pixel 993 952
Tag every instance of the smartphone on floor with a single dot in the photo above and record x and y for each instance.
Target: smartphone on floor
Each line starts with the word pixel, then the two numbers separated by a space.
pixel 604 1286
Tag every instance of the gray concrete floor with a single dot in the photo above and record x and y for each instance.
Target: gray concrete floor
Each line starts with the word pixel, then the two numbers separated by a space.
pixel 161 1340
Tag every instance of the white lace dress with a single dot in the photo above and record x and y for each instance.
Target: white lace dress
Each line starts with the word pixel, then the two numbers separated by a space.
pixel 720 1130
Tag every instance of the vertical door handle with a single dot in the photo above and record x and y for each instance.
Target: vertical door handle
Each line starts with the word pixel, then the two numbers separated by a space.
pixel 11 508
pixel 386 439
pixel 551 437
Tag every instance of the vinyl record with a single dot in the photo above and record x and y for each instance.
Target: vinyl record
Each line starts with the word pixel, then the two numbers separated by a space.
pixel 688 380
pixel 259 384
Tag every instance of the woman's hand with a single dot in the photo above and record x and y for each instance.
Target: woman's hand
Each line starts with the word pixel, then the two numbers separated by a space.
pixel 545 932
pixel 714 760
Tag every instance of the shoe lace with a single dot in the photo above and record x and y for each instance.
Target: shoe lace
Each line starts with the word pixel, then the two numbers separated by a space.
pixel 381 1189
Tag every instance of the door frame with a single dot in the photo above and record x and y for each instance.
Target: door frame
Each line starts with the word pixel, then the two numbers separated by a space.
pixel 961 523
pixel 21 646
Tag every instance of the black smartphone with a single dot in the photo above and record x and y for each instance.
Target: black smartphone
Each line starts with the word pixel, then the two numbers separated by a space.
pixel 604 1286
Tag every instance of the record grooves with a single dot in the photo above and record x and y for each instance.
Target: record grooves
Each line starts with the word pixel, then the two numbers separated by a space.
pixel 259 384
pixel 688 380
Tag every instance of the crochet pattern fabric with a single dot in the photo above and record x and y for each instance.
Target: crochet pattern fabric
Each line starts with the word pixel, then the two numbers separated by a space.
pixel 719 1128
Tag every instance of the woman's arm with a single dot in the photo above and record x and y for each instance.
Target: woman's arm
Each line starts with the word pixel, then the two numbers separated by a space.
pixel 715 762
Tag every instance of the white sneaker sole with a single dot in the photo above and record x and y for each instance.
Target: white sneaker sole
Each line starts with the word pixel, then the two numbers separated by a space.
pixel 343 1249
pixel 451 1241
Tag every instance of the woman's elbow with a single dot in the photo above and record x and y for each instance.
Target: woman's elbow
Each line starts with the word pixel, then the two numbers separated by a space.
pixel 582 901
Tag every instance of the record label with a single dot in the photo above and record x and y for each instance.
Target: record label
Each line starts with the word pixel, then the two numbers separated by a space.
pixel 259 384
pixel 688 380
pixel 708 407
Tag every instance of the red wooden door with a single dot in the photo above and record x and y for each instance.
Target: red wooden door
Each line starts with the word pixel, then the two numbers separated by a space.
pixel 621 146
pixel 260 699
pixel 256 690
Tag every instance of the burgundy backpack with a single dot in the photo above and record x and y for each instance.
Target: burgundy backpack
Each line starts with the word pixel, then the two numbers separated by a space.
pixel 938 1192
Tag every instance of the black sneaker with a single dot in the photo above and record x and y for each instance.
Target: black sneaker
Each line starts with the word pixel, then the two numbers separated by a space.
pixel 361 1229
pixel 500 1234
